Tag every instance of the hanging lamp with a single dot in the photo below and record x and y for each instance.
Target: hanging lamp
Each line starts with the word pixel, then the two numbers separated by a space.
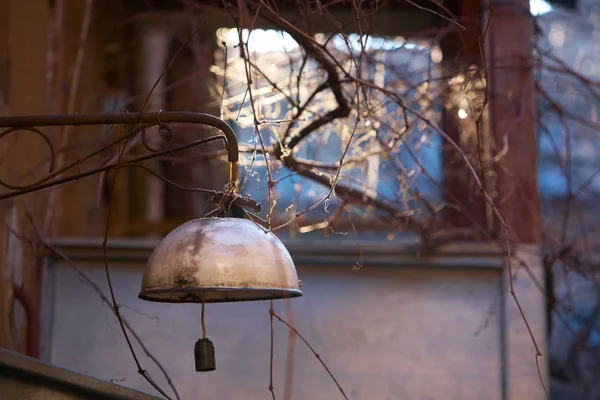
pixel 215 260
pixel 227 258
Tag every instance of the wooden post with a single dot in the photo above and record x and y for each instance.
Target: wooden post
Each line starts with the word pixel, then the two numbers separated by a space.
pixel 461 51
pixel 509 47
pixel 512 117
pixel 27 20
pixel 5 280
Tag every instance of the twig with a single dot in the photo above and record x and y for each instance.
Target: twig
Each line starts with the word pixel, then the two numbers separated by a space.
pixel 274 314
pixel 109 167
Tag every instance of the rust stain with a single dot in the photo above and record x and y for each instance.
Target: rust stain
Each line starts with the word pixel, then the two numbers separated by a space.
pixel 184 281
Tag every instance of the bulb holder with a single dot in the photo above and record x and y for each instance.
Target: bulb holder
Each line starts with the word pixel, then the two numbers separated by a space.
pixel 204 355
pixel 215 260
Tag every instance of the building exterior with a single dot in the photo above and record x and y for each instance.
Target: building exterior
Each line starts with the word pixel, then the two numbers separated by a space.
pixel 390 319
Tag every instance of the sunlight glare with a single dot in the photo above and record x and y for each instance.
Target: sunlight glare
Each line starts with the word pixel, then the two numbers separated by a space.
pixel 539 7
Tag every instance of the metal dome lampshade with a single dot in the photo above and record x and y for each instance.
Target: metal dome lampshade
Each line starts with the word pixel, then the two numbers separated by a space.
pixel 215 260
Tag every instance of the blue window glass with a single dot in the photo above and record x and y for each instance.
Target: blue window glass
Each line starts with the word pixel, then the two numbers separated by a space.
pixel 384 160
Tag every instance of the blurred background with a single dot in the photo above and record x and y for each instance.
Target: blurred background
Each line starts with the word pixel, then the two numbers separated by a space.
pixel 384 141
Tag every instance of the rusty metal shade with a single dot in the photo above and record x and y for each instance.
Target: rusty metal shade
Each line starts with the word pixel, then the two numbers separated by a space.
pixel 219 260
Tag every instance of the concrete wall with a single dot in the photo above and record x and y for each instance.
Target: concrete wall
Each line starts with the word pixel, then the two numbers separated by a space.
pixel 427 328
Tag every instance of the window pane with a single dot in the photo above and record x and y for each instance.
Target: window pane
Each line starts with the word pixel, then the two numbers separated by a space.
pixel 387 153
pixel 568 104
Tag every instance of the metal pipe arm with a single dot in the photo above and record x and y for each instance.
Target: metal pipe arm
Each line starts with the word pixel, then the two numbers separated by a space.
pixel 129 118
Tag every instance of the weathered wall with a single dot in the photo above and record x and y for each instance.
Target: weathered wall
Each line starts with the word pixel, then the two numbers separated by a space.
pixel 385 332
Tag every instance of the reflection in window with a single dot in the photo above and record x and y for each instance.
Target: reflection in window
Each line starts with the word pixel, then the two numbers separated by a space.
pixel 568 105
pixel 392 156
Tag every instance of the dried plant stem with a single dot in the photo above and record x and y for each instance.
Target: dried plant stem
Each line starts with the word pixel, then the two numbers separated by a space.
pixel 272 349
pixel 293 329
pixel 538 353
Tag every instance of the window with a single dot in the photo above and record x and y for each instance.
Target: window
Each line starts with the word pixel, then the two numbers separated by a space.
pixel 568 105
pixel 385 160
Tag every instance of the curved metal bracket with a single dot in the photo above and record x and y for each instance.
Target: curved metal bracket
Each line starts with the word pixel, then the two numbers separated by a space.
pixel 29 122
pixel 129 118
